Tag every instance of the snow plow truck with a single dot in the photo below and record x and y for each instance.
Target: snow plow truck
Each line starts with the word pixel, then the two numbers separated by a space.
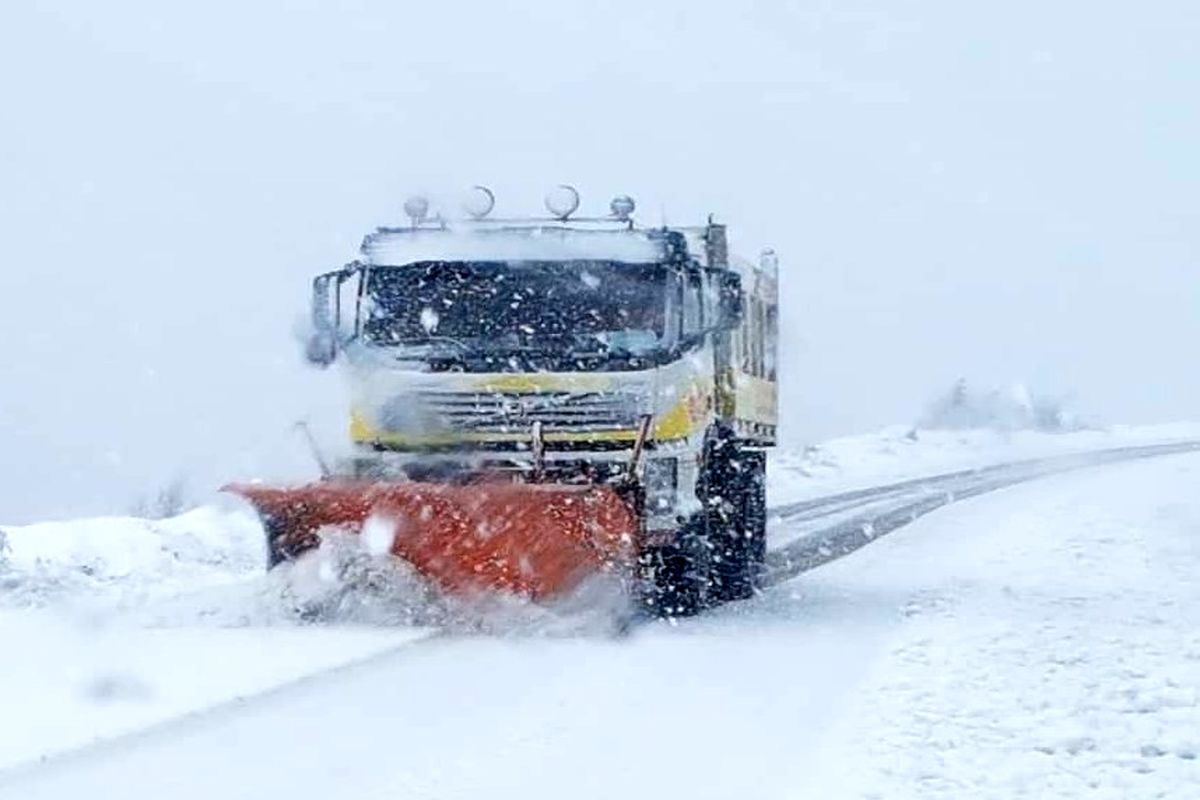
pixel 537 402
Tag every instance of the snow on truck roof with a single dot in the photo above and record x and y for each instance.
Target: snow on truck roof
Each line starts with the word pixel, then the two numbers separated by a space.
pixel 399 246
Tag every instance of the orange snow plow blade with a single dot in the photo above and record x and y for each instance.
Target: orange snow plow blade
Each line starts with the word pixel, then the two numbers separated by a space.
pixel 533 540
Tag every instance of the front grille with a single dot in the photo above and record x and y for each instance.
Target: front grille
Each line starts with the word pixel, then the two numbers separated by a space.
pixel 515 412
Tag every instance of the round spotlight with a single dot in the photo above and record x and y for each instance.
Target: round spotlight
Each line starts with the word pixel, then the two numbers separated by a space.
pixel 768 261
pixel 562 201
pixel 417 208
pixel 622 207
pixel 479 202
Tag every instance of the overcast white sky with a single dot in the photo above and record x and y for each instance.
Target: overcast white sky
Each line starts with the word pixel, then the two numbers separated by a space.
pixel 1005 193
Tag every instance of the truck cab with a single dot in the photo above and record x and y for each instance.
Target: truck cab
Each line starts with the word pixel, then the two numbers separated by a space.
pixel 562 350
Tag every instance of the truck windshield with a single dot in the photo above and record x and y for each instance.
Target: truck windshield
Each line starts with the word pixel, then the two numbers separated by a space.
pixel 495 307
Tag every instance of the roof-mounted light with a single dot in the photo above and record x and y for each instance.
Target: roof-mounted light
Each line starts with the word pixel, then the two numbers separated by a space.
pixel 417 209
pixel 562 201
pixel 479 202
pixel 622 207
pixel 768 261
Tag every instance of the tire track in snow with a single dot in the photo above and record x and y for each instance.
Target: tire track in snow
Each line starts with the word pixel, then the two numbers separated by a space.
pixel 921 496
pixel 199 717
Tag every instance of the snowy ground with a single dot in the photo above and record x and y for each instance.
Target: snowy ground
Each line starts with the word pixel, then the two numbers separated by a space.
pixel 1025 643
pixel 1050 649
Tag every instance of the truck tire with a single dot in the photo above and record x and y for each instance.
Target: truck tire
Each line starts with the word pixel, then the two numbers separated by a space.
pixel 739 525
pixel 675 577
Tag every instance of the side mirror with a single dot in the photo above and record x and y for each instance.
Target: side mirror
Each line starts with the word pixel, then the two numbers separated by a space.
pixel 321 349
pixel 322 345
pixel 731 304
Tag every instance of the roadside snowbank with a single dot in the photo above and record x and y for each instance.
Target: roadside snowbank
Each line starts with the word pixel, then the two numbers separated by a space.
pixel 126 558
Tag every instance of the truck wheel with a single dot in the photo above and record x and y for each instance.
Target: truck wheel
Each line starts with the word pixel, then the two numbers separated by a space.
pixel 739 527
pixel 675 577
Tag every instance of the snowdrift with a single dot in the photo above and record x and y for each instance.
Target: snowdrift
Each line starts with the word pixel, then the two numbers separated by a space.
pixel 128 556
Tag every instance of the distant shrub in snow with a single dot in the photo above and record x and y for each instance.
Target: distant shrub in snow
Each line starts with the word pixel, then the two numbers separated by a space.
pixel 1008 410
pixel 170 500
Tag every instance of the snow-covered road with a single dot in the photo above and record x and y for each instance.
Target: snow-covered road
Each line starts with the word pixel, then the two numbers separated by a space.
pixel 1037 641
